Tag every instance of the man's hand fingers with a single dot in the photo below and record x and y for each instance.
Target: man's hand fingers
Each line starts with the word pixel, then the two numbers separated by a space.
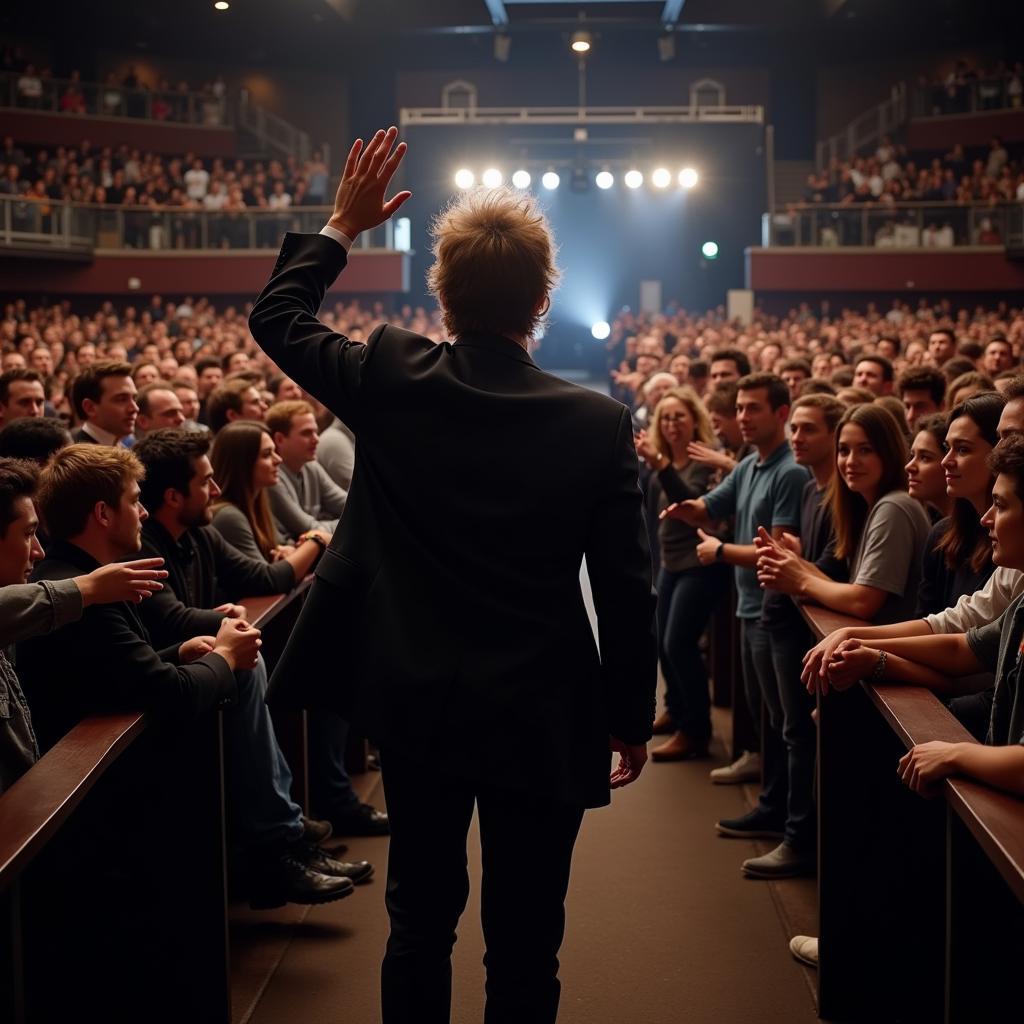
pixel 353 159
pixel 382 150
pixel 393 205
pixel 387 172
pixel 368 153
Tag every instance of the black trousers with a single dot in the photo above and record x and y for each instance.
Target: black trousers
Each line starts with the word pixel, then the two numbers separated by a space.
pixel 526 844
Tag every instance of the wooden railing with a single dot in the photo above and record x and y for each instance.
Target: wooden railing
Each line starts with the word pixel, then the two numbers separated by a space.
pixel 921 901
pixel 86 804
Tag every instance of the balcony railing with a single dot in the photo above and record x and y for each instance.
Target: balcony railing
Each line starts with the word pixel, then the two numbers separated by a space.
pixel 984 95
pixel 899 226
pixel 57 226
pixel 62 95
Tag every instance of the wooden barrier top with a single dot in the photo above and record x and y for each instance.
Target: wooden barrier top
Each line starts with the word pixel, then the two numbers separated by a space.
pixel 916 715
pixel 39 803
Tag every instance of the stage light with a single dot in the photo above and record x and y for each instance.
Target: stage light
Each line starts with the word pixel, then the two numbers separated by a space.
pixel 604 179
pixel 633 179
pixel 221 5
pixel 709 250
pixel 580 42
pixel 600 330
pixel 660 177
pixel 687 177
pixel 464 178
pixel 521 179
pixel 550 180
pixel 492 177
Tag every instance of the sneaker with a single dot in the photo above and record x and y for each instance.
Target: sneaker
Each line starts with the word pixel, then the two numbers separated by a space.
pixel 785 861
pixel 755 824
pixel 746 768
pixel 805 949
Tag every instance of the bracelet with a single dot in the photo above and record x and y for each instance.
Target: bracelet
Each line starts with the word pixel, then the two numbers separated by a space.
pixel 879 670
pixel 315 538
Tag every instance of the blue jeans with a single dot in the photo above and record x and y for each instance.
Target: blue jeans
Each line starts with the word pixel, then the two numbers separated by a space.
pixel 761 690
pixel 330 787
pixel 790 705
pixel 258 777
pixel 685 602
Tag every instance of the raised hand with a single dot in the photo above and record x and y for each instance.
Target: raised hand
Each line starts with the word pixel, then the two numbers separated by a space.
pixel 360 203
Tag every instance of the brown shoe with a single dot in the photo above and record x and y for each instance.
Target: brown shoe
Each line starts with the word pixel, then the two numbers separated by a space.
pixel 663 725
pixel 680 748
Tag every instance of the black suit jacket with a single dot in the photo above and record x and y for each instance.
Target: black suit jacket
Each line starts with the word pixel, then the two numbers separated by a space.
pixel 81 437
pixel 447 616
pixel 105 662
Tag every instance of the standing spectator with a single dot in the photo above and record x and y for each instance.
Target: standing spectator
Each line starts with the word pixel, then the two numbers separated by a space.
pixel 197 181
pixel 30 88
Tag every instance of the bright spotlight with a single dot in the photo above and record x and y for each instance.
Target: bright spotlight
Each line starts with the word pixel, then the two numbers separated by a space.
pixel 580 42
pixel 221 5
pixel 464 178
pixel 600 330
pixel 492 177
pixel 633 179
pixel 604 179
pixel 550 180
pixel 660 178
pixel 521 179
pixel 687 177
pixel 710 250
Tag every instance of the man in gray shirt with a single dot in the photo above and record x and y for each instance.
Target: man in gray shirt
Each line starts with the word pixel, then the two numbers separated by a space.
pixel 336 452
pixel 305 497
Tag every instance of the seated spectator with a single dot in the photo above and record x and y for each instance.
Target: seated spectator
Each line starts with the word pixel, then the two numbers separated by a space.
pixel 817 386
pixel 698 377
pixel 931 660
pixel 941 346
pixel 727 366
pixel 34 609
pixel 21 394
pixel 873 373
pixel 245 465
pixel 687 590
pixel 880 530
pixel 967 384
pixel 34 438
pixel 956 367
pixel 654 388
pixel 89 499
pixel 926 477
pixel 795 372
pixel 304 497
pixel 159 406
pixel 336 452
pixel 234 400
pixel 1004 381
pixel 851 396
pixel 144 373
pixel 103 395
pixel 998 357
pixel 922 391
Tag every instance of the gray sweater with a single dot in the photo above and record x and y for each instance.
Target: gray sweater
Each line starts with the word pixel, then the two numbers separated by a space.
pixel 336 452
pixel 307 500
pixel 27 610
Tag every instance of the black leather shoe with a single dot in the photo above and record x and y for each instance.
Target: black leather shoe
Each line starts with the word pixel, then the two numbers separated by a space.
pixel 316 832
pixel 361 820
pixel 291 878
pixel 322 861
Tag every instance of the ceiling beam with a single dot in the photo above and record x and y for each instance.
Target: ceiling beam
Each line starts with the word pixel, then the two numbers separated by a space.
pixel 671 12
pixel 499 16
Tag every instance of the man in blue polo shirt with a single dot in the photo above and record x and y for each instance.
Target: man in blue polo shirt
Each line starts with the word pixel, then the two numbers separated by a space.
pixel 765 489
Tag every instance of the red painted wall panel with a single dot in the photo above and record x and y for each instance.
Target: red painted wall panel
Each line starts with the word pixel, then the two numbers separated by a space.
pixel 864 270
pixel 970 129
pixel 43 129
pixel 195 274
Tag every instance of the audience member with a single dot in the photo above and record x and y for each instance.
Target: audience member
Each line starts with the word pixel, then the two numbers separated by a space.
pixel 21 395
pixel 922 390
pixel 234 400
pixel 34 438
pixel 104 399
pixel 926 477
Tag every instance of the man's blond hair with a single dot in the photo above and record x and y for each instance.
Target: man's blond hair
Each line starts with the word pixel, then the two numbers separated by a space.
pixel 79 476
pixel 494 263
pixel 280 414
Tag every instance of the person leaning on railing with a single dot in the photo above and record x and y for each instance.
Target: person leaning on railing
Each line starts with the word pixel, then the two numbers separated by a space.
pixel 996 647
pixel 32 609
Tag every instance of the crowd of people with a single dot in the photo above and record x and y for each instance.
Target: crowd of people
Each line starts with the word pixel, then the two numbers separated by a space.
pixel 967 87
pixel 149 185
pixel 871 463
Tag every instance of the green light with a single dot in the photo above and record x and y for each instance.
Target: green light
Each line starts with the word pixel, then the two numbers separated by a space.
pixel 710 250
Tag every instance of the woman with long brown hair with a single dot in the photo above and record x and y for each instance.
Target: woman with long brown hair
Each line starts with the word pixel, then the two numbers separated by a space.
pixel 880 531
pixel 244 465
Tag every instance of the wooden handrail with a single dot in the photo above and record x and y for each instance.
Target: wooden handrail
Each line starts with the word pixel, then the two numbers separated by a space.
pixel 39 803
pixel 34 809
pixel 916 715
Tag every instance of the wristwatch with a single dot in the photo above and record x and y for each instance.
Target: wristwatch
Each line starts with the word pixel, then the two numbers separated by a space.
pixel 720 551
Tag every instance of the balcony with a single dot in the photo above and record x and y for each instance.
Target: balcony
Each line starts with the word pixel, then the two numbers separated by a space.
pixel 43 244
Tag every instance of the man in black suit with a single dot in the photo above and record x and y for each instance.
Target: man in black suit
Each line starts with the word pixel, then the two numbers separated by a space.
pixel 103 395
pixel 447 615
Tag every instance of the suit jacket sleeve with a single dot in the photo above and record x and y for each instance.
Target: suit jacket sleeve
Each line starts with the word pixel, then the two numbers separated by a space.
pixel 619 564
pixel 284 323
